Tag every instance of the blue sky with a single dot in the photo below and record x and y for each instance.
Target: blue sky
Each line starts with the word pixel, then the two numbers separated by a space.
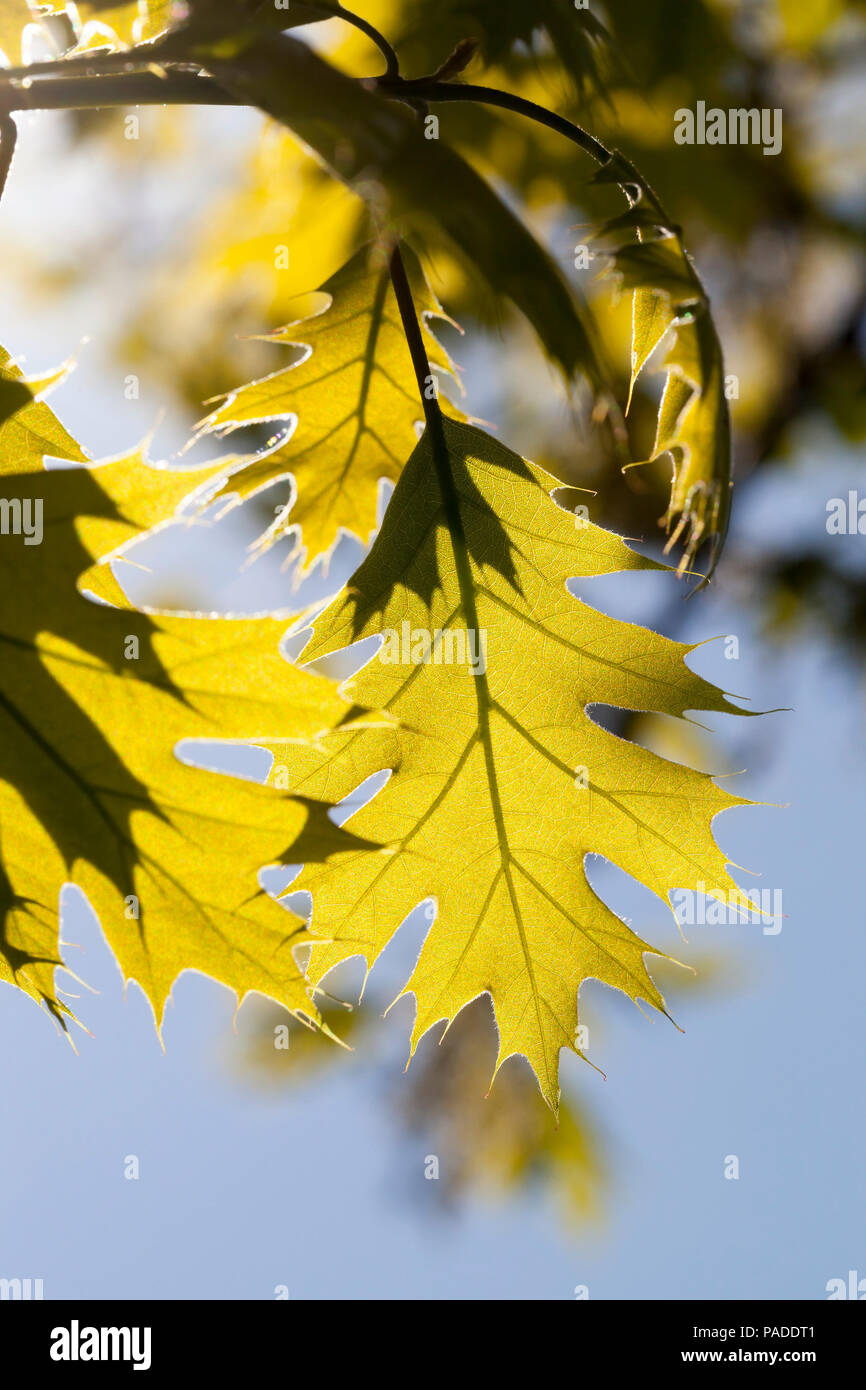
pixel 243 1188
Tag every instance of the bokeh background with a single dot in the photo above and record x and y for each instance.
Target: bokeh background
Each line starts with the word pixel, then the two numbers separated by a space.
pixel 308 1168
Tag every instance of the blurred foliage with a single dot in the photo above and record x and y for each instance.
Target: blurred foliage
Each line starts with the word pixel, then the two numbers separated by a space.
pixel 490 1141
pixel 504 1140
pixel 493 1143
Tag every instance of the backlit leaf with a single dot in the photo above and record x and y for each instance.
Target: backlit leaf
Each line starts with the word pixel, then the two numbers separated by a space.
pixel 93 701
pixel 500 782
pixel 354 398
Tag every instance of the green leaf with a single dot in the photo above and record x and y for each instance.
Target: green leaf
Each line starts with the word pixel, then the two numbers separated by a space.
pixel 656 263
pixel 500 781
pixel 694 427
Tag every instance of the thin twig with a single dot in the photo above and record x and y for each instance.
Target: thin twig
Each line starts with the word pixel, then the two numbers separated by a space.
pixel 431 90
pixel 364 26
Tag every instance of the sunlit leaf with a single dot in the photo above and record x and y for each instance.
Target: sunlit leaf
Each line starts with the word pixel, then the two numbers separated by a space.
pixel 93 701
pixel 500 781
pixel 353 395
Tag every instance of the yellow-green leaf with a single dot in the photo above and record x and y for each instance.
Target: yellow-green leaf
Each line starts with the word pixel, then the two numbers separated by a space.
pixel 500 782
pixel 93 701
pixel 354 397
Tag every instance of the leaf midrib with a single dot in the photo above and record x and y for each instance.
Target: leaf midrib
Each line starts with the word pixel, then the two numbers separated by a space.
pixel 453 516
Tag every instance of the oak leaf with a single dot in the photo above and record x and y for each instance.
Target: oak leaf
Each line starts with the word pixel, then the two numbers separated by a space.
pixel 351 401
pixel 500 783
pixel 94 699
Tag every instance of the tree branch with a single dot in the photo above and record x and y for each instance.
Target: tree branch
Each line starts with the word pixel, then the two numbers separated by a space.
pixel 115 89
